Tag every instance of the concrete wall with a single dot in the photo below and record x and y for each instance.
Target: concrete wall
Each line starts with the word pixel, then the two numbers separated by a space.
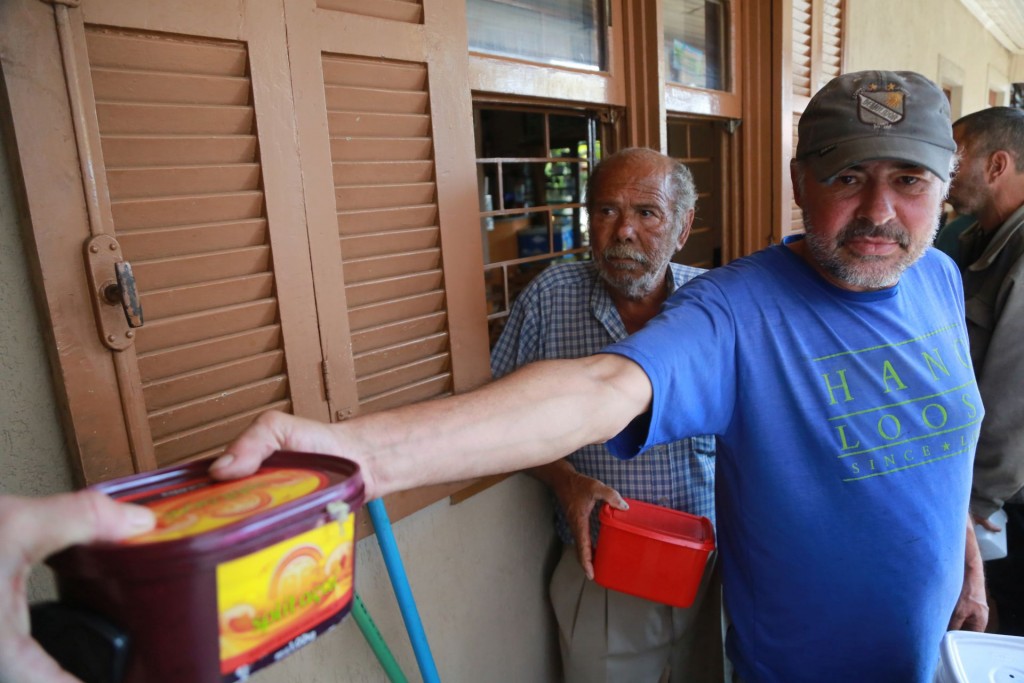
pixel 938 38
pixel 478 569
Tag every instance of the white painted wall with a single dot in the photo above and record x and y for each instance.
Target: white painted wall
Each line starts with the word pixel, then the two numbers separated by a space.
pixel 940 39
pixel 477 570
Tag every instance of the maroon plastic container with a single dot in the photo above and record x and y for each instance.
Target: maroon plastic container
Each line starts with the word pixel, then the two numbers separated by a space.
pixel 238 574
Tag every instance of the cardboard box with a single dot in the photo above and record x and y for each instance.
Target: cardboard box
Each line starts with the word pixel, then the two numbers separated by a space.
pixel 533 241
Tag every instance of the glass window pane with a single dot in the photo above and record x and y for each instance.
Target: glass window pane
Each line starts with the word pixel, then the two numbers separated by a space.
pixel 696 44
pixel 556 32
pixel 532 166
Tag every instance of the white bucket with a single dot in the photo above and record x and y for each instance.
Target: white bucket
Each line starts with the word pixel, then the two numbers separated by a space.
pixel 967 657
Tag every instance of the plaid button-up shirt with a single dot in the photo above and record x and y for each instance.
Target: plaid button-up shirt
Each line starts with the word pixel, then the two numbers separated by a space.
pixel 566 312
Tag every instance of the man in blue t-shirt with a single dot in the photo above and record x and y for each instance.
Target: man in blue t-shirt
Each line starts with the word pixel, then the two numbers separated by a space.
pixel 833 370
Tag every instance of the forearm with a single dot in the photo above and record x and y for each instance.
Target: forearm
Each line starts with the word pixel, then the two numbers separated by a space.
pixel 532 417
pixel 971 613
pixel 974 568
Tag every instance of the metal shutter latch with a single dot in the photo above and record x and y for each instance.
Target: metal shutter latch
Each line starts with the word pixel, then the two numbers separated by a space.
pixel 115 298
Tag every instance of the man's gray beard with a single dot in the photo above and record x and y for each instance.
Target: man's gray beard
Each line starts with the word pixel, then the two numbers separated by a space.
pixel 628 283
pixel 629 287
pixel 860 273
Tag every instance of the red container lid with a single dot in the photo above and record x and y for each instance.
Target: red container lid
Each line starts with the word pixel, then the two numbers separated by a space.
pixel 662 524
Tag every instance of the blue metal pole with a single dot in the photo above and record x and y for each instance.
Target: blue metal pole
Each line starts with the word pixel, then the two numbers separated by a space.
pixel 403 593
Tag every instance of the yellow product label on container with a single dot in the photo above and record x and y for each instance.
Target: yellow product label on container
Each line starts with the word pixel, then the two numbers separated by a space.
pixel 277 599
pixel 195 507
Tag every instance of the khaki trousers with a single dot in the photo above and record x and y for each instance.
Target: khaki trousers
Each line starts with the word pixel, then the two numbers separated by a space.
pixel 611 637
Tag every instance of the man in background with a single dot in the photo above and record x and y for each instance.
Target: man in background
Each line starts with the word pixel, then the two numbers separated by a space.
pixel 990 186
pixel 641 207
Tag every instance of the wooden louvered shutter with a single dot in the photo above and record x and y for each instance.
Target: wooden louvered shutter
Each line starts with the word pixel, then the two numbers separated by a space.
pixel 811 58
pixel 294 186
pixel 801 47
pixel 161 133
pixel 387 151
pixel 831 61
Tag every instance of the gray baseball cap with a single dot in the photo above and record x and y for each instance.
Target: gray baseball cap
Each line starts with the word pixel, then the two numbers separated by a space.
pixel 872 115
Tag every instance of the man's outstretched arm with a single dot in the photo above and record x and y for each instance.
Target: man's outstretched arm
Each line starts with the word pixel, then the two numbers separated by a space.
pixel 531 417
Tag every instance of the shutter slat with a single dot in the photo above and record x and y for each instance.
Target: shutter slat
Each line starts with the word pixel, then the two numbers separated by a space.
pixel 205 381
pixel 178 150
pixel 377 244
pixel 395 310
pixel 204 296
pixel 185 444
pixel 231 401
pixel 194 327
pixel 410 373
pixel 187 270
pixel 366 73
pixel 396 10
pixel 358 222
pixel 148 87
pixel 133 214
pixel 377 149
pixel 364 341
pixel 122 118
pixel 435 387
pixel 385 196
pixel 375 291
pixel 380 125
pixel 129 183
pixel 343 98
pixel 193 239
pixel 391 265
pixel 124 50
pixel 360 172
pixel 388 357
pixel 163 363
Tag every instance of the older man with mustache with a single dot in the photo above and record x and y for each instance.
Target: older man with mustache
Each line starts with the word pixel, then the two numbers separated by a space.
pixel 641 207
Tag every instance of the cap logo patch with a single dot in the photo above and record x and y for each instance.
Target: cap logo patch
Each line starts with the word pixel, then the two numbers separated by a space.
pixel 880 107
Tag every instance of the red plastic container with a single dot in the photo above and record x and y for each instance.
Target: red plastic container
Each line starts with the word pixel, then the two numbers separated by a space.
pixel 653 552
pixel 236 576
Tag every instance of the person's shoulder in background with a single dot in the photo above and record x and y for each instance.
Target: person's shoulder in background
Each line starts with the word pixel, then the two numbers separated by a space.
pixel 947 239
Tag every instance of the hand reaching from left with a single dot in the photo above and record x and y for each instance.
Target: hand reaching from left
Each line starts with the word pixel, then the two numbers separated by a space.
pixel 30 530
